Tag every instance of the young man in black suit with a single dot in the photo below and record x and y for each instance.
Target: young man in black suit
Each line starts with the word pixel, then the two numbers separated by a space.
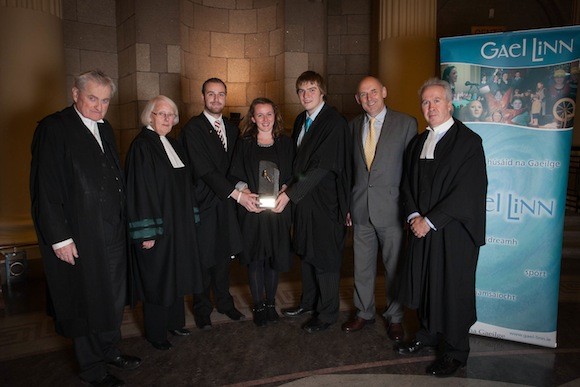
pixel 209 140
pixel 320 193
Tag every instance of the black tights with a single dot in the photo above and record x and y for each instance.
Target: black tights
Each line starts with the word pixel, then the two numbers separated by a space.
pixel 262 277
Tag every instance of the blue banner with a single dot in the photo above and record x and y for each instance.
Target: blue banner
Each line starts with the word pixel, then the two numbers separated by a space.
pixel 517 90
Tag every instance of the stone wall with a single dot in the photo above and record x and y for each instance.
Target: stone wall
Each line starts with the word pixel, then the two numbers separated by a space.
pixel 258 47
pixel 90 41
pixel 240 42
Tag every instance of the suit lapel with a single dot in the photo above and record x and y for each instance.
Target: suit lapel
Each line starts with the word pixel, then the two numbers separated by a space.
pixel 385 137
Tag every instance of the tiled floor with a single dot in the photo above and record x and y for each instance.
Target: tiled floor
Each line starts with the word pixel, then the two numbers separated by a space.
pixel 239 353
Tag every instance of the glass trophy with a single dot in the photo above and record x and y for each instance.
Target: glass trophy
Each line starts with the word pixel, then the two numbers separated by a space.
pixel 268 184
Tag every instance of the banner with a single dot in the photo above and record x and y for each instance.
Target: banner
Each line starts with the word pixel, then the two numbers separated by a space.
pixel 517 91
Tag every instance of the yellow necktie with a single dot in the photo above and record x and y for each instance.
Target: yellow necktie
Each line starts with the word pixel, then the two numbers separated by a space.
pixel 370 146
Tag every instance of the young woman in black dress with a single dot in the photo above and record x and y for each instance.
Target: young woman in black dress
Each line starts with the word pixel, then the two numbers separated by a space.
pixel 267 245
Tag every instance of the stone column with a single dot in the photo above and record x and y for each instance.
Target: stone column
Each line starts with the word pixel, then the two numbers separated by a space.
pixel 32 75
pixel 148 41
pixel 407 50
pixel 305 48
pixel 349 52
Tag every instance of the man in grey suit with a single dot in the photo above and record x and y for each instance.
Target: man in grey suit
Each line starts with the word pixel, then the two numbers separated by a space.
pixel 380 138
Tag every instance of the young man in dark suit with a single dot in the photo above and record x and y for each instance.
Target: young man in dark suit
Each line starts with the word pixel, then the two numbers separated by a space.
pixel 209 140
pixel 320 193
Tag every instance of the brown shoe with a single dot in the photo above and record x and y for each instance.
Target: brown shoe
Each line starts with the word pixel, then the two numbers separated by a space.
pixel 396 332
pixel 356 324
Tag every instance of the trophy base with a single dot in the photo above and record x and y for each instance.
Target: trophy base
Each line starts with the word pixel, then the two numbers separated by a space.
pixel 267 202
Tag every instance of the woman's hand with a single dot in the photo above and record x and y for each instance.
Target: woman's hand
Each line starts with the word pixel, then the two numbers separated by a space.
pixel 148 244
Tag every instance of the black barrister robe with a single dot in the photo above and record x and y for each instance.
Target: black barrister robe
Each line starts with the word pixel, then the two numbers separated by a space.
pixel 160 207
pixel 219 232
pixel 66 185
pixel 320 189
pixel 439 270
pixel 267 234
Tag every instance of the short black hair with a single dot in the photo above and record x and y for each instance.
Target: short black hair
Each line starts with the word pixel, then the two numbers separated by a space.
pixel 213 80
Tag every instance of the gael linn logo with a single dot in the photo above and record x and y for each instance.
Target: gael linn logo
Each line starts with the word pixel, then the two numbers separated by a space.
pixel 536 48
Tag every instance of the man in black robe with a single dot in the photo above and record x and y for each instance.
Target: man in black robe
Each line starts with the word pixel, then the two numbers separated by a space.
pixel 443 192
pixel 78 208
pixel 209 140
pixel 320 192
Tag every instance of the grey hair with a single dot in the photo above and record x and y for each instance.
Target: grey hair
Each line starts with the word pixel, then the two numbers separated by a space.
pixel 146 113
pixel 97 76
pixel 437 82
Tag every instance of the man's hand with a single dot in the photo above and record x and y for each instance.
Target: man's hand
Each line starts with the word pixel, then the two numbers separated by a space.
pixel 249 201
pixel 348 220
pixel 281 202
pixel 67 253
pixel 419 226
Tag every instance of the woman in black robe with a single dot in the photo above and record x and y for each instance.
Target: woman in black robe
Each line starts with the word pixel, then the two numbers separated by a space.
pixel 161 223
pixel 267 244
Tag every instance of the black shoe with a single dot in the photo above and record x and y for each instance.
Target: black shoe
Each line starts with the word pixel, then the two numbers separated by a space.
pixel 444 366
pixel 180 332
pixel 260 315
pixel 296 311
pixel 202 321
pixel 415 346
pixel 125 362
pixel 315 325
pixel 161 345
pixel 234 314
pixel 271 314
pixel 108 381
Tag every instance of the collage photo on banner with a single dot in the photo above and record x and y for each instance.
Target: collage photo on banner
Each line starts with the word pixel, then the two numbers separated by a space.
pixel 543 97
pixel 517 90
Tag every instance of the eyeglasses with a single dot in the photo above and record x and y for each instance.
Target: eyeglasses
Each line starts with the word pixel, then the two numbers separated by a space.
pixel 165 116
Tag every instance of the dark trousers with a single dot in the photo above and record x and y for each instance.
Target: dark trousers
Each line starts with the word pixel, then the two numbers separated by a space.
pixel 216 278
pixel 96 349
pixel 159 319
pixel 458 350
pixel 320 292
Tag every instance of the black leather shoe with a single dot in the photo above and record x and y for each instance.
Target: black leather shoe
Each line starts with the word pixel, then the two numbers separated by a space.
pixel 234 314
pixel 296 311
pixel 202 321
pixel 161 345
pixel 315 325
pixel 180 332
pixel 444 366
pixel 271 314
pixel 260 315
pixel 125 362
pixel 415 346
pixel 108 381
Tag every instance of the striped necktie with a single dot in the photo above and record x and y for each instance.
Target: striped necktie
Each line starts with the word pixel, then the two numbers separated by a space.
pixel 220 132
